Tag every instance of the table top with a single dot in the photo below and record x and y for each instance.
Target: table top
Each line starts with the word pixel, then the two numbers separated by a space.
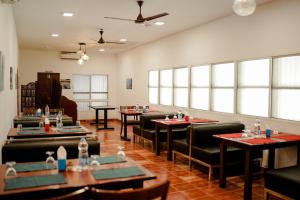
pixel 135 112
pixel 53 132
pixel 76 179
pixel 260 140
pixel 175 122
pixel 103 107
pixel 35 118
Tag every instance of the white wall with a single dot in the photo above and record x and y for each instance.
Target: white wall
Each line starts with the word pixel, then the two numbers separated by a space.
pixel 33 61
pixel 8 47
pixel 273 30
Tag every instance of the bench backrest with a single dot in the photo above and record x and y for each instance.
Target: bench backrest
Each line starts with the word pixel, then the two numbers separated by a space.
pixel 202 135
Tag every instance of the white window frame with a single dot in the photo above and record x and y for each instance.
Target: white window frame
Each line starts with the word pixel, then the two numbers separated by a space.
pixel 90 100
pixel 181 87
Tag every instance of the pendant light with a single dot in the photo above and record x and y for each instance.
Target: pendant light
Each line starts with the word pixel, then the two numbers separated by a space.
pixel 82 53
pixel 244 7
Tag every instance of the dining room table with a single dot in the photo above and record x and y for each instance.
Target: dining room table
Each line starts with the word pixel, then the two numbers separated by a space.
pixel 105 118
pixel 251 143
pixel 36 180
pixel 31 120
pixel 37 132
pixel 169 125
pixel 125 114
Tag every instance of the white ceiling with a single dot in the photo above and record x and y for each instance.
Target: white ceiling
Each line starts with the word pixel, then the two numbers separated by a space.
pixel 36 20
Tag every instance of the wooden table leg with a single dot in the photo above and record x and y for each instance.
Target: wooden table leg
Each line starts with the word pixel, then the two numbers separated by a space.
pixel 105 122
pixel 271 158
pixel 248 176
pixel 298 155
pixel 169 143
pixel 157 140
pixel 121 125
pixel 125 129
pixel 223 151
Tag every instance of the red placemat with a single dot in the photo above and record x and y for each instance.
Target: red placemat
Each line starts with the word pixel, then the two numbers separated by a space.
pixel 259 141
pixel 287 137
pixel 231 135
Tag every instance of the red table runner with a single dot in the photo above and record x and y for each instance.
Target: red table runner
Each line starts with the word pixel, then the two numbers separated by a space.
pixel 259 141
pixel 231 135
pixel 287 137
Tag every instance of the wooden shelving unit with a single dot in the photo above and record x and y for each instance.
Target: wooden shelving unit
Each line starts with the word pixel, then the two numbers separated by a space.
pixel 28 98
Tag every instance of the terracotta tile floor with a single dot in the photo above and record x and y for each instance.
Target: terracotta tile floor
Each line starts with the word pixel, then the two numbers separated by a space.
pixel 185 184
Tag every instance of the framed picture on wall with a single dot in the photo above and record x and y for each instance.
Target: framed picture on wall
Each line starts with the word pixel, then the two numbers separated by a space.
pixel 65 83
pixel 11 86
pixel 129 84
pixel 1 71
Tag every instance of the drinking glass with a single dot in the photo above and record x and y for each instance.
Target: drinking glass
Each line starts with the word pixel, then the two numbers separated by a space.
pixel 10 170
pixel 19 127
pixel 167 117
pixel 77 123
pixel 94 163
pixel 121 153
pixel 50 162
pixel 41 125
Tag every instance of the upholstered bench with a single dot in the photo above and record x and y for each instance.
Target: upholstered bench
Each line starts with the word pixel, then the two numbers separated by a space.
pixel 30 150
pixel 283 183
pixel 205 148
pixel 147 131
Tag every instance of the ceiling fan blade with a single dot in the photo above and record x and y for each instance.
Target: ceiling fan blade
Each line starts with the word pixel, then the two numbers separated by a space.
pixel 114 42
pixel 155 16
pixel 119 18
pixel 67 52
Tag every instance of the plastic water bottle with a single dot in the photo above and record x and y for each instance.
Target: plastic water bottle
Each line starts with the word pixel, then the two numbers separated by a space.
pixel 59 123
pixel 47 111
pixel 39 112
pixel 179 113
pixel 268 131
pixel 257 127
pixel 83 153
pixel 61 158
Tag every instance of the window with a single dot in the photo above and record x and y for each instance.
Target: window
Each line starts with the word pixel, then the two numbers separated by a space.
pixel 200 87
pixel 181 87
pixel 223 87
pixel 153 87
pixel 253 87
pixel 286 88
pixel 166 87
pixel 90 90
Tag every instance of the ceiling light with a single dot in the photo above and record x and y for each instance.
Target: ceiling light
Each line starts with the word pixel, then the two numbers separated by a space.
pixel 55 35
pixel 68 14
pixel 101 50
pixel 159 23
pixel 85 57
pixel 80 61
pixel 244 7
pixel 123 40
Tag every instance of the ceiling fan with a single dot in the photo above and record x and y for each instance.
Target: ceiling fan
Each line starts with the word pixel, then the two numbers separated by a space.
pixel 102 41
pixel 140 19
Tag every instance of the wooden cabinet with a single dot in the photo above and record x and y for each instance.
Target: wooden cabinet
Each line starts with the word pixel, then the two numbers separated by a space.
pixel 48 90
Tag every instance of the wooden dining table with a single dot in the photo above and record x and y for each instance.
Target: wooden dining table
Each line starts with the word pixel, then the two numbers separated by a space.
pixel 35 132
pixel 105 118
pixel 169 125
pixel 76 180
pixel 251 144
pixel 125 113
pixel 35 120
